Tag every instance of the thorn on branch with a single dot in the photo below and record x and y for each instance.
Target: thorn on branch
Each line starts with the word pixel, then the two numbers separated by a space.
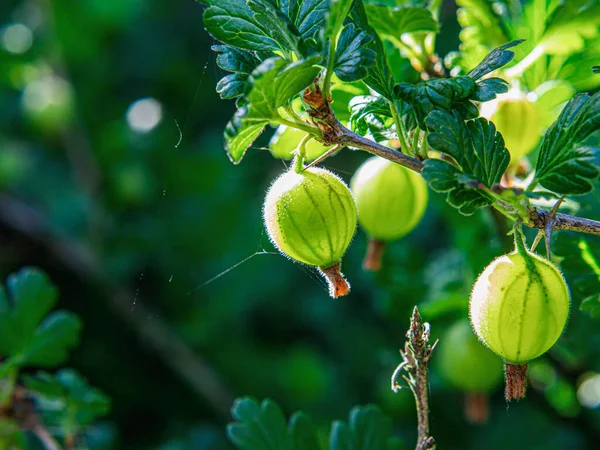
pixel 549 222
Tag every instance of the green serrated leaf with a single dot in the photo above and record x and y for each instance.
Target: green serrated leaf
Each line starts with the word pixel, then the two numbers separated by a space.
pixel 241 63
pixel 391 23
pixel 240 133
pixel 273 83
pixel 371 115
pixel 342 94
pixel 550 99
pixel 340 437
pixel 352 55
pixel 379 76
pixel 474 145
pixel 497 58
pixel 28 335
pixel 488 89
pixel 457 94
pixel 259 427
pixel 401 67
pixel 483 28
pixel 368 429
pixel 233 22
pixel 581 267
pixel 271 18
pixel 68 398
pixel 565 165
pixel 438 94
pixel 479 154
pixel 444 178
pixel 308 16
pixel 571 24
pixel 304 432
pixel 338 11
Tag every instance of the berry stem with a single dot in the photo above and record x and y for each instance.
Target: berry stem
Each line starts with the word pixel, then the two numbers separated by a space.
pixel 338 286
pixel 401 130
pixel 372 261
pixel 520 246
pixel 301 154
pixel 330 64
pixel 516 381
pixel 477 409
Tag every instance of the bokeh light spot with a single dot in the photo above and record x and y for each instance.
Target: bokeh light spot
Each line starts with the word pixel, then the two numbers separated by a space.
pixel 589 392
pixel 17 38
pixel 144 115
pixel 44 92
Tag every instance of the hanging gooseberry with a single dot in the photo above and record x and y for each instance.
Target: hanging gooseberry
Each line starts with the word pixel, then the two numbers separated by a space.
pixel 519 308
pixel 310 215
pixel 517 119
pixel 466 364
pixel 391 200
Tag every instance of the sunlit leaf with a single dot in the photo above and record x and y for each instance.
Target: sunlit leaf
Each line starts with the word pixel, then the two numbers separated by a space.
pixel 565 164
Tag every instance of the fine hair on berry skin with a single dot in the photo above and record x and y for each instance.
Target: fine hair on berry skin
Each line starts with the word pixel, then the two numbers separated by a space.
pixel 310 216
pixel 392 201
pixel 519 308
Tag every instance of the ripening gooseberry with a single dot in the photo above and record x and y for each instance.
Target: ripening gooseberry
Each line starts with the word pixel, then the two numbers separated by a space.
pixel 310 216
pixel 466 364
pixel 519 308
pixel 391 200
pixel 517 119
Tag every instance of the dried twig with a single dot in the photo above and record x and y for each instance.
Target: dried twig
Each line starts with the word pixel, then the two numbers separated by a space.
pixel 415 358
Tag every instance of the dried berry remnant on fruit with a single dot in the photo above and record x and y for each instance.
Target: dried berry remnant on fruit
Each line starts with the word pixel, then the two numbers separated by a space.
pixel 519 308
pixel 311 217
pixel 518 120
pixel 466 364
pixel 391 200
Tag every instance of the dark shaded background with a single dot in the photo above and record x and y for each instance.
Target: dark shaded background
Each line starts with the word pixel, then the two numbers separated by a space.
pixel 134 226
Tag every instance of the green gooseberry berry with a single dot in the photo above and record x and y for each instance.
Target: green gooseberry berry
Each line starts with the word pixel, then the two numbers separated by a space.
pixel 391 200
pixel 518 120
pixel 519 308
pixel 467 365
pixel 310 216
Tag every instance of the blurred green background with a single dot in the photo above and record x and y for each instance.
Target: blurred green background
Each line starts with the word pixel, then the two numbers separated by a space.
pixel 114 180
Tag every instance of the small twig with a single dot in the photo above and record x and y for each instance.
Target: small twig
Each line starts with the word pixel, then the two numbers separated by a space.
pixel 325 155
pixel 415 356
pixel 45 437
